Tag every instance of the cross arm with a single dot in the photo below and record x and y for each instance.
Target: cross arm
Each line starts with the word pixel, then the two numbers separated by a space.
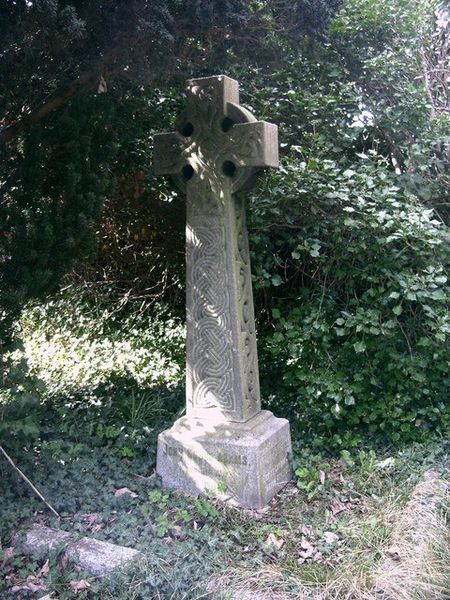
pixel 254 144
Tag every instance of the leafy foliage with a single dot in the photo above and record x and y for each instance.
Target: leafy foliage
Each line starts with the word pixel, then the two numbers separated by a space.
pixel 71 80
pixel 348 239
pixel 368 346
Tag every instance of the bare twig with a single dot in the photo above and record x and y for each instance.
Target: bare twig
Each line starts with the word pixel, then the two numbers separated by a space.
pixel 25 478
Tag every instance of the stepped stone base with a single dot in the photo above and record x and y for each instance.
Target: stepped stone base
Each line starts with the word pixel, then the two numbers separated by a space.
pixel 245 463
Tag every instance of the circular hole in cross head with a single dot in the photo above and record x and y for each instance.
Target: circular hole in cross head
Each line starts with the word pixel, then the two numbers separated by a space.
pixel 188 172
pixel 227 124
pixel 229 168
pixel 187 129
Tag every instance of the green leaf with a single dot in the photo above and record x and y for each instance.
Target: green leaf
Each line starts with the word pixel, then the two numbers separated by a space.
pixel 276 280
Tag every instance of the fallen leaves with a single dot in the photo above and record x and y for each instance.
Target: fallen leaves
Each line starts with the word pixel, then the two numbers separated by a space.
pixel 315 546
pixel 308 551
pixel 44 570
pixel 80 585
pixel 125 491
pixel 337 507
pixel 273 542
pixel 92 521
pixel 31 584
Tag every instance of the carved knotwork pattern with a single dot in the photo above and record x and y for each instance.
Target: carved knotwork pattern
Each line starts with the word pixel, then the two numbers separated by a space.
pixel 211 354
pixel 246 316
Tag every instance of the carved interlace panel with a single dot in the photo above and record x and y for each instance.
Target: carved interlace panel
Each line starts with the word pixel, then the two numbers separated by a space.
pixel 208 158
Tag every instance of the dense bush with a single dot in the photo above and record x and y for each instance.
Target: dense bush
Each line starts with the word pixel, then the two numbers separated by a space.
pixel 360 330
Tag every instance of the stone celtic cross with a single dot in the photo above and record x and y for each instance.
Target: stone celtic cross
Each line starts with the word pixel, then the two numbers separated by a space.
pixel 216 149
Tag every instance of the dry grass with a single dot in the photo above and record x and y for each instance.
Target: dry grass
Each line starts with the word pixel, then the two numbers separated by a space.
pixel 413 560
pixel 417 565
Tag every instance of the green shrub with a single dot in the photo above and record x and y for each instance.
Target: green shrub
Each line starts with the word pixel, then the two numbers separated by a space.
pixel 359 329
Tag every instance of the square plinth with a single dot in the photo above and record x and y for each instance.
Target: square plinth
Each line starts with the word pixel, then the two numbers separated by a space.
pixel 245 463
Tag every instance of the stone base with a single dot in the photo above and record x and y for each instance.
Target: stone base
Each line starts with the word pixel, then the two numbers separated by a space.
pixel 245 463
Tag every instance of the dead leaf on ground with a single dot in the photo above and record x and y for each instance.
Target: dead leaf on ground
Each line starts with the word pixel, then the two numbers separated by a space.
pixel 123 491
pixel 9 553
pixel 307 550
pixel 80 585
pixel 32 584
pixel 260 513
pixel 64 561
pixel 322 477
pixel 317 557
pixel 90 519
pixel 12 578
pixel 337 507
pixel 176 531
pixel 307 530
pixel 44 569
pixel 273 542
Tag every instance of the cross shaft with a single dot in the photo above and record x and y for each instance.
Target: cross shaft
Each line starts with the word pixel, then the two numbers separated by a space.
pixel 215 151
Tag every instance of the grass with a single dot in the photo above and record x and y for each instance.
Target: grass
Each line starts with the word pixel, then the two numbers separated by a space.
pixel 386 550
pixel 83 419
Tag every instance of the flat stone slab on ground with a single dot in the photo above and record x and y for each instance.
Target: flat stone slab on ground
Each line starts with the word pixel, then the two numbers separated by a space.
pixel 40 538
pixel 100 558
pixel 95 556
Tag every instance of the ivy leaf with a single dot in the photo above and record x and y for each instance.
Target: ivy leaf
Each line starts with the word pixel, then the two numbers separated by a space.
pixel 276 280
pixel 359 347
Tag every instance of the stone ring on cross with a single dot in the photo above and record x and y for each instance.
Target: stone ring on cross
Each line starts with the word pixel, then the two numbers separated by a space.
pixel 217 140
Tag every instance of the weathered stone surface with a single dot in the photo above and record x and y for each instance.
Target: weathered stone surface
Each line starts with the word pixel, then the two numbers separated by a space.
pixel 40 538
pixel 100 558
pixel 210 157
pixel 217 148
pixel 94 556
pixel 245 463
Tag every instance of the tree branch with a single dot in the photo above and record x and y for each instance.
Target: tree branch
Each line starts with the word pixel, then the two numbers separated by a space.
pixel 25 478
